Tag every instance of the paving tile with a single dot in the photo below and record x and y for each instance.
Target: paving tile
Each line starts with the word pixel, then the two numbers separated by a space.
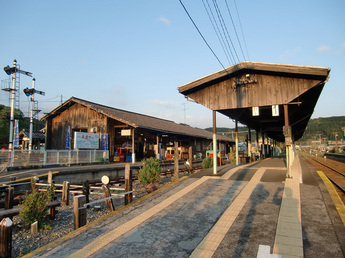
pixel 291 241
pixel 214 237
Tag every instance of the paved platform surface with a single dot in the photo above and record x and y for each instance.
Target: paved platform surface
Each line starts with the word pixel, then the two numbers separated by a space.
pixel 245 211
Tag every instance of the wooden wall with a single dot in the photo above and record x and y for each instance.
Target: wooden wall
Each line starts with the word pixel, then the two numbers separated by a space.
pixel 79 118
pixel 267 90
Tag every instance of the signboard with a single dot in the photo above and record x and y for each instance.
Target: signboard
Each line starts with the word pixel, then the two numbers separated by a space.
pixel 275 110
pixel 67 143
pixel 255 111
pixel 16 134
pixel 86 140
pixel 126 132
pixel 104 142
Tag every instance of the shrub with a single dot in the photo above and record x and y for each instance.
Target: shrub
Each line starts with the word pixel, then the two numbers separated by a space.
pixel 150 171
pixel 207 162
pixel 34 207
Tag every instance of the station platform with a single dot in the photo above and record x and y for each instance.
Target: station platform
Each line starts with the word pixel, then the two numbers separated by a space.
pixel 249 210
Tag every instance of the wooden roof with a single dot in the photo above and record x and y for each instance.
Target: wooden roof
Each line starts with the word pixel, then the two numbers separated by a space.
pixel 136 120
pixel 234 91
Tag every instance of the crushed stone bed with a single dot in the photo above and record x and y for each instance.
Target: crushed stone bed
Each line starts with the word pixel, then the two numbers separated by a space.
pixel 23 241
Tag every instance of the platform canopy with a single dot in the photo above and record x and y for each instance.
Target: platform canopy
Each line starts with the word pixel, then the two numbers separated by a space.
pixel 255 93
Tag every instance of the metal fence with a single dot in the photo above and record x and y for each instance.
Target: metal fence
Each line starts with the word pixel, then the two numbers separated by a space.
pixel 26 158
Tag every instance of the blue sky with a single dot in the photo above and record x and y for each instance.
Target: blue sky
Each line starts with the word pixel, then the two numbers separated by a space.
pixel 134 54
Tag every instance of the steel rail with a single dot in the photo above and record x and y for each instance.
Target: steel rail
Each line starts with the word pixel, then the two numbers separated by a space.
pixel 329 167
pixel 339 187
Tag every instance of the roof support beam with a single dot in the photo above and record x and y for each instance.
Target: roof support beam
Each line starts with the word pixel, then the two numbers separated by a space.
pixel 214 143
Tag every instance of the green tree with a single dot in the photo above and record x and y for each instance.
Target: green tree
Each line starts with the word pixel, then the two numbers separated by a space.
pixel 150 171
pixel 24 122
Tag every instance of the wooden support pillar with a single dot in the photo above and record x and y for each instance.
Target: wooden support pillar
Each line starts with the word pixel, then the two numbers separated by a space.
pixel 9 198
pixel 220 153
pixel 190 157
pixel 288 141
pixel 249 148
pixel 257 144
pixel 65 193
pixel 50 178
pixel 86 190
pixel 79 211
pixel 236 140
pixel 263 145
pixel 133 146
pixel 176 158
pixel 34 227
pixel 6 237
pixel 106 194
pixel 214 143
pixel 128 184
pixel 35 180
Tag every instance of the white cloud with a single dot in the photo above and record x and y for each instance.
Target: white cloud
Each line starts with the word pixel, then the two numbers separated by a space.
pixel 343 46
pixel 165 20
pixel 323 49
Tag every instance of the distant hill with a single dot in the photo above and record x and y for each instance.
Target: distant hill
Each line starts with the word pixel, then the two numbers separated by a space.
pixel 324 128
pixel 230 132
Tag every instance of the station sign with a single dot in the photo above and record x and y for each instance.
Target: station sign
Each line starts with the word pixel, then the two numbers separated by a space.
pixel 86 140
pixel 255 111
pixel 275 110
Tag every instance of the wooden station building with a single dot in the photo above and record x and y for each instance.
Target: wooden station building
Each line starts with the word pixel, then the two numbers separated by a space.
pixel 276 100
pixel 125 129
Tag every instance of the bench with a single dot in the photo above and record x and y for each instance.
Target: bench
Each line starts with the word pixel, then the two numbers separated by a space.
pixel 15 211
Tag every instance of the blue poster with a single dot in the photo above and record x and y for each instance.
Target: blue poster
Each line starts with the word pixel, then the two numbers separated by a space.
pixel 67 143
pixel 16 134
pixel 104 141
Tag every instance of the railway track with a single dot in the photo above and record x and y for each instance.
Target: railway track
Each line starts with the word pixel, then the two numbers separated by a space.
pixel 334 170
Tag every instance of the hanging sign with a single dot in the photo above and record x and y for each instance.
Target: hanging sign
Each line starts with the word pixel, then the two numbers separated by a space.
pixel 104 141
pixel 16 134
pixel 126 132
pixel 275 110
pixel 255 111
pixel 68 137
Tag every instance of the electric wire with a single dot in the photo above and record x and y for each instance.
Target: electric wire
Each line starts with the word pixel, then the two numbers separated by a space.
pixel 225 30
pixel 233 24
pixel 239 21
pixel 217 31
pixel 202 35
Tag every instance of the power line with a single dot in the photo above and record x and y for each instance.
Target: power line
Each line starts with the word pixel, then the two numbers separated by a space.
pixel 225 29
pixel 233 24
pixel 217 31
pixel 244 40
pixel 202 35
